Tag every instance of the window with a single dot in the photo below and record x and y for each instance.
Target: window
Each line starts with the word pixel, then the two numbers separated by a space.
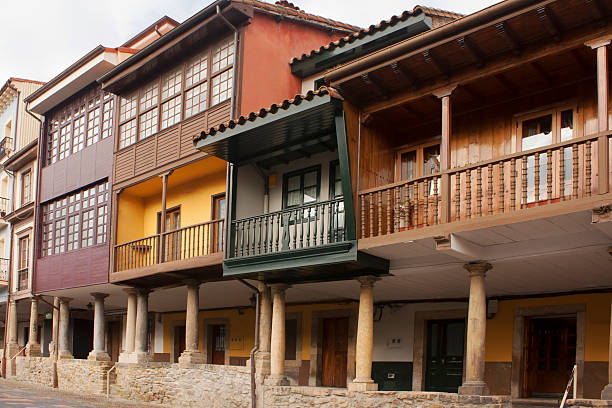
pixel 196 100
pixel 221 87
pixel 78 138
pixel 172 83
pixel 26 187
pixel 8 129
pixel 93 126
pixel 171 112
pixel 75 221
pixel 301 187
pixel 148 124
pixel 127 108
pixel 335 180
pixel 64 141
pixel 223 55
pixel 52 145
pixel 107 118
pixel 127 133
pixel 417 161
pixel 196 70
pixel 24 263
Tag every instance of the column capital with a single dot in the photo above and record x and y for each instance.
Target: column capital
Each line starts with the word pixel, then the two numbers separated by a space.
pixel 143 291
pixel 34 299
pixel 367 281
pixel 478 268
pixel 444 91
pixel 192 282
pixel 98 295
pixel 279 287
pixel 130 291
pixel 598 42
pixel 65 299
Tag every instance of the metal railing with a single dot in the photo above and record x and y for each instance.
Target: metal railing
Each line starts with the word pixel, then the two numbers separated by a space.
pixel 22 279
pixel 6 145
pixel 183 243
pixel 300 227
pixel 4 269
pixel 542 176
pixel 4 206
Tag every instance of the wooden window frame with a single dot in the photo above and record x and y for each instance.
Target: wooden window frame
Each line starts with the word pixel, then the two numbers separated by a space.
pixel 332 179
pixel 20 261
pixel 419 148
pixel 208 51
pixel 301 172
pixel 24 174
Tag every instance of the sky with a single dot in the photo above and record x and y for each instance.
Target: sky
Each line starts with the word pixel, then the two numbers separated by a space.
pixel 41 38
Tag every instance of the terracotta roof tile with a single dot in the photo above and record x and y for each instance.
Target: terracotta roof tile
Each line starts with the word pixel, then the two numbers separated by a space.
pixel 263 112
pixel 373 29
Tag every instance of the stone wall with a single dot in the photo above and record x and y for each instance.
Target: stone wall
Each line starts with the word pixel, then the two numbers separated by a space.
pixel 319 397
pixel 201 385
pixel 82 376
pixel 34 370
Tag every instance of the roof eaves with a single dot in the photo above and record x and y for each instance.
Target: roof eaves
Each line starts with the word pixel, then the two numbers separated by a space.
pixel 141 34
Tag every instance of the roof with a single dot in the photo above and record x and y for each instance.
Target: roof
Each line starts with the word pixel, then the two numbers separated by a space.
pixel 263 112
pixel 143 33
pixel 442 17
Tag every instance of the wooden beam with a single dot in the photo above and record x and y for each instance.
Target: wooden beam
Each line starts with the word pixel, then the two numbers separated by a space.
pixel 375 85
pixel 432 60
pixel 597 11
pixel 405 74
pixel 412 111
pixel 472 49
pixel 509 37
pixel 541 72
pixel 549 22
pixel 506 83
pixel 474 94
pixel 585 67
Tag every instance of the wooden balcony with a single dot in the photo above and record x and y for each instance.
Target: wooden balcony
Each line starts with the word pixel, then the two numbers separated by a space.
pixel 187 249
pixel 558 178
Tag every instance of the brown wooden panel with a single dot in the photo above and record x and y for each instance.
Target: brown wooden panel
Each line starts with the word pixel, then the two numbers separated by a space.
pixel 145 156
pixel 124 164
pixel 218 115
pixel 189 129
pixel 168 146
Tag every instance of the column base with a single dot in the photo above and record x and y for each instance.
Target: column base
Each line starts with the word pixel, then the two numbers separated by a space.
pixel 606 394
pixel 65 355
pixel 11 367
pixel 262 362
pixel 95 355
pixel 134 358
pixel 474 388
pixel 362 384
pixel 191 357
pixel 33 350
pixel 277 381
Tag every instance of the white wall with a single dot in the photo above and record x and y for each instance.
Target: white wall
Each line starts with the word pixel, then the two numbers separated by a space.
pixel 159 334
pixel 398 322
pixel 250 192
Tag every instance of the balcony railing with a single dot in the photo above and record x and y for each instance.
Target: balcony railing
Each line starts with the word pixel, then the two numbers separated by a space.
pixel 4 268
pixel 183 243
pixel 4 206
pixel 6 146
pixel 301 227
pixel 22 279
pixel 543 176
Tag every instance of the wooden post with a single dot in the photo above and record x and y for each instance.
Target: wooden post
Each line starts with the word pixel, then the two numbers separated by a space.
pixel 162 221
pixel 601 47
pixel 445 153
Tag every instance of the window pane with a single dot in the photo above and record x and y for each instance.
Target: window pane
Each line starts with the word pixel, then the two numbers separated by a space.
pixel 293 183
pixel 408 165
pixel 107 120
pixel 223 55
pixel 65 139
pixel 567 125
pixel 222 87
pixel 127 107
pixel 196 100
pixel 310 179
pixel 196 70
pixel 78 135
pixel 310 194
pixel 148 96
pixel 148 124
pixel 127 133
pixel 172 83
pixel 293 198
pixel 537 132
pixel 52 145
pixel 171 112
pixel 431 160
pixel 93 126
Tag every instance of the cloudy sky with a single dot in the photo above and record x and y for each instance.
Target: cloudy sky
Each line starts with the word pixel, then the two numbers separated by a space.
pixel 41 37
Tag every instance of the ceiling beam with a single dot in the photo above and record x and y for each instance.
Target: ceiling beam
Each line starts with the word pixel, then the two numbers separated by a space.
pixel 432 60
pixel 474 94
pixel 550 22
pixel 541 72
pixel 412 111
pixel 597 11
pixel 366 79
pixel 405 74
pixel 509 37
pixel 585 67
pixel 506 83
pixel 472 49
pixel 292 146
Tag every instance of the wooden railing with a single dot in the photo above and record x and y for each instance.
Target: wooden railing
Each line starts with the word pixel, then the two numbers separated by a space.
pixel 306 226
pixel 183 243
pixel 564 171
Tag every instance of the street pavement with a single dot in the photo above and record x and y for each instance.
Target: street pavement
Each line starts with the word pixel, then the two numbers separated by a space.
pixel 18 397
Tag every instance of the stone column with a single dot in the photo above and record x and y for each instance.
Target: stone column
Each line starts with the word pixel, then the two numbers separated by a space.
pixel 55 327
pixel 130 325
pixel 142 323
pixel 12 348
pixel 606 394
pixel 33 347
pixel 265 327
pixel 277 341
pixel 99 347
pixel 476 331
pixel 192 354
pixel 365 338
pixel 64 325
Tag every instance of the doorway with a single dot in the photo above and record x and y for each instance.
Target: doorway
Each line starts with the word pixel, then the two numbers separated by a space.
pixel 114 338
pixel 82 337
pixel 171 241
pixel 179 342
pixel 218 213
pixel 335 352
pixel 445 355
pixel 550 355
pixel 217 344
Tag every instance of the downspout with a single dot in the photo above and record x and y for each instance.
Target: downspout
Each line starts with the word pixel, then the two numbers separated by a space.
pixel 236 58
pixel 256 346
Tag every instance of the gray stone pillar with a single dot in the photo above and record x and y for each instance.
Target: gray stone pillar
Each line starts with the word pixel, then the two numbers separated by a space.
pixel 277 341
pixel 12 348
pixel 33 347
pixel 265 329
pixel 142 323
pixel 12 334
pixel 606 394
pixel 99 347
pixel 192 354
pixel 130 326
pixel 55 327
pixel 64 326
pixel 365 338
pixel 476 331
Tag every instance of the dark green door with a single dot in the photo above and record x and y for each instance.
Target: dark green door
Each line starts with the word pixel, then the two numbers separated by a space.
pixel 445 349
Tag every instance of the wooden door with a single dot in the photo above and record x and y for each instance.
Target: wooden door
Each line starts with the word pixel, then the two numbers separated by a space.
pixel 551 355
pixel 445 351
pixel 218 213
pixel 114 335
pixel 217 355
pixel 172 241
pixel 179 341
pixel 335 349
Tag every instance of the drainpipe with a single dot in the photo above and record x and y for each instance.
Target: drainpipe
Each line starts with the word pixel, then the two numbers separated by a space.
pixel 256 346
pixel 235 73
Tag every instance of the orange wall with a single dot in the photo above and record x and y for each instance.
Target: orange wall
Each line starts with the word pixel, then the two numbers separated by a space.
pixel 268 46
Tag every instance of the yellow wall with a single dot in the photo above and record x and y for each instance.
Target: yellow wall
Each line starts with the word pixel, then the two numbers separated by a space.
pixel 130 224
pixel 242 326
pixel 500 328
